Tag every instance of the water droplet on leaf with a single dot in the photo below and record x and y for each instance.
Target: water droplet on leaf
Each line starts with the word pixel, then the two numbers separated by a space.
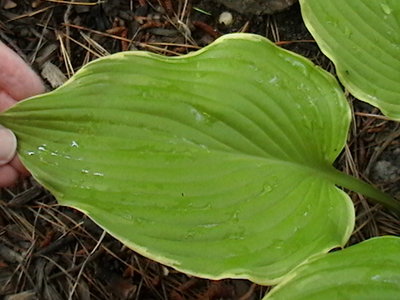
pixel 386 8
pixel 42 147
pixel 199 206
pixel 253 67
pixel 127 217
pixel 211 225
pixel 197 115
pixel 237 235
pixel 74 144
pixel 189 235
pixel 139 221
pixel 347 32
pixel 274 80
pixel 266 189
pixel 235 216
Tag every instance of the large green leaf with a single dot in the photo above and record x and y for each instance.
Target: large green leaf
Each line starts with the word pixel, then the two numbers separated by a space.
pixel 362 38
pixel 369 270
pixel 217 163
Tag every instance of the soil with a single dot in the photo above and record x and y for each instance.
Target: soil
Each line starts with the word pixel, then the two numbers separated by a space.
pixel 52 252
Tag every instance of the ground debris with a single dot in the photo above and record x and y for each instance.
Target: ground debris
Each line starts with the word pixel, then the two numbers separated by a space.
pixel 53 75
pixel 9 4
pixel 27 295
pixel 257 7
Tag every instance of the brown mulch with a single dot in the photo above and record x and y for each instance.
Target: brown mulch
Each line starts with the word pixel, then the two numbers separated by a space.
pixel 52 252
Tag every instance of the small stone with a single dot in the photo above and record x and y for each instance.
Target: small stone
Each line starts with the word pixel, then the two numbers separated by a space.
pixel 385 171
pixel 9 4
pixel 225 18
pixel 36 3
pixel 165 271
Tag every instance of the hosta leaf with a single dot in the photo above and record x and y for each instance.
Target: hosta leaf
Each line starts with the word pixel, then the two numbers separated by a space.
pixel 369 270
pixel 217 163
pixel 362 38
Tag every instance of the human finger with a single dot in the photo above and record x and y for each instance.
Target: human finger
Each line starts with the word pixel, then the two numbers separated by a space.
pixel 17 79
pixel 6 101
pixel 8 145
pixel 8 176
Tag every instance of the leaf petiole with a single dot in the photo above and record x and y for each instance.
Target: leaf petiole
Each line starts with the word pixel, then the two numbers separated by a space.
pixel 356 185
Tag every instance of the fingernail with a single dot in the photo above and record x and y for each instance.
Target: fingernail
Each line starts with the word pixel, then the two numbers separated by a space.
pixel 8 145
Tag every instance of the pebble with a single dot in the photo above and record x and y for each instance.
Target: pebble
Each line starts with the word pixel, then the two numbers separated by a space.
pixel 8 4
pixel 385 171
pixel 225 18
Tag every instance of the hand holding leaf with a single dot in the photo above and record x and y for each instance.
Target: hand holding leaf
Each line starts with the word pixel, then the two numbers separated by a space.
pixel 17 81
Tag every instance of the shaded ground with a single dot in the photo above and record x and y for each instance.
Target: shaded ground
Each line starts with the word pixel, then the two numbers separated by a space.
pixel 52 252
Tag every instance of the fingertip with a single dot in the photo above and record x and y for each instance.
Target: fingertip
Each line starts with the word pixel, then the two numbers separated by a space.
pixel 8 145
pixel 8 176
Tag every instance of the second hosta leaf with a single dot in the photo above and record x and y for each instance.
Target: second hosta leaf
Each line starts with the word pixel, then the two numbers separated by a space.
pixel 362 37
pixel 215 163
pixel 368 270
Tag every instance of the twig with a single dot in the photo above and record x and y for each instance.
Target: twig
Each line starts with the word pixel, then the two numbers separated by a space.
pixel 76 3
pixel 143 45
pixel 67 60
pixel 281 43
pixel 84 264
pixel 361 114
pixel 83 46
pixel 31 14
pixel 207 29
pixel 39 44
